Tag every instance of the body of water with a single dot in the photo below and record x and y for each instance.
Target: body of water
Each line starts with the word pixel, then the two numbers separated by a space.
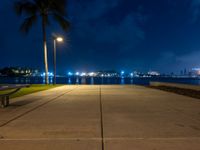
pixel 96 80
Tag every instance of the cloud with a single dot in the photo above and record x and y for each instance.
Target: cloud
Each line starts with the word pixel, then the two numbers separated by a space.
pixel 196 2
pixel 125 35
pixel 101 38
pixel 169 61
pixel 195 9
pixel 191 59
pixel 90 9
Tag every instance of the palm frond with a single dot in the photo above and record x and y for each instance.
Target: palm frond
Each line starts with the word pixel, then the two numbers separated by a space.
pixel 28 23
pixel 58 6
pixel 42 8
pixel 26 7
pixel 42 5
pixel 64 23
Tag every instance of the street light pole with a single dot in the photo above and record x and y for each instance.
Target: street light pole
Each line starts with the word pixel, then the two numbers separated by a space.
pixel 54 60
pixel 55 40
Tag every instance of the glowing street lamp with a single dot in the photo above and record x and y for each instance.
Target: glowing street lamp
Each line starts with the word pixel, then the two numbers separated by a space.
pixel 59 39
pixel 55 40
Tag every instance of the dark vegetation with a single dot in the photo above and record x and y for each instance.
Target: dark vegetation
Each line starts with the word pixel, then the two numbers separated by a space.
pixel 180 91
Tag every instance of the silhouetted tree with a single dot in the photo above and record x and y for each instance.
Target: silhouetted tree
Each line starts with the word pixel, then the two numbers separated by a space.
pixel 33 9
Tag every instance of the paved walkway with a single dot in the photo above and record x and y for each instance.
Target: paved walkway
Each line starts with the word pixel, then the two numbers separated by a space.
pixel 101 118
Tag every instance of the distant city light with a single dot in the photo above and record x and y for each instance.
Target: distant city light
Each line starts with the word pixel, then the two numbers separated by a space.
pixel 70 73
pixel 196 71
pixel 153 73
pixel 43 74
pixel 122 74
pixel 91 74
pixel 131 74
pixel 50 74
pixel 83 74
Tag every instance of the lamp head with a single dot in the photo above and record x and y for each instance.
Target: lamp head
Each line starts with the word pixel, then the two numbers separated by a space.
pixel 59 39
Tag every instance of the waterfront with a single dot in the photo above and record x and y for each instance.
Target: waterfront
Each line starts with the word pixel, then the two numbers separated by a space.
pixel 97 80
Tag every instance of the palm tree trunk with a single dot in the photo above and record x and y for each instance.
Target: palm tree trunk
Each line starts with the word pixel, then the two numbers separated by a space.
pixel 45 49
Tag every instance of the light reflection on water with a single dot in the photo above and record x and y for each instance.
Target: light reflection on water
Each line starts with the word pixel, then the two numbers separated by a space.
pixel 92 80
pixel 131 80
pixel 43 80
pixel 122 81
pixel 83 81
pixel 69 81
pixel 77 80
pixel 102 80
pixel 95 80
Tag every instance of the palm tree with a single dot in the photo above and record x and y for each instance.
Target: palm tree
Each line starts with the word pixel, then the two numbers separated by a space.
pixel 33 9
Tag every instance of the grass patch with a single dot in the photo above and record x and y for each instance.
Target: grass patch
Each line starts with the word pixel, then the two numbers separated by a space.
pixel 32 89
pixel 180 91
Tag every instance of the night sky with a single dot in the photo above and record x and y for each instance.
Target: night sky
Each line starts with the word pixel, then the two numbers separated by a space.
pixel 142 35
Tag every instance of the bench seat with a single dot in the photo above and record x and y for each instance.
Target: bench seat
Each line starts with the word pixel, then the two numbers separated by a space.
pixel 4 98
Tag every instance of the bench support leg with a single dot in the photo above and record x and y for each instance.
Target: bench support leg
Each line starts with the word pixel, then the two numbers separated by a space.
pixel 3 102
pixel 7 101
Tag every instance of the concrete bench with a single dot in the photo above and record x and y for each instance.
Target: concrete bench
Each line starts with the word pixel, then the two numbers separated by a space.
pixel 4 98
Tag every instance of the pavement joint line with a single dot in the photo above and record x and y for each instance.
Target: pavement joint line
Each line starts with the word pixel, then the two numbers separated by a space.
pixel 100 139
pixel 168 138
pixel 101 119
pixel 51 139
pixel 25 113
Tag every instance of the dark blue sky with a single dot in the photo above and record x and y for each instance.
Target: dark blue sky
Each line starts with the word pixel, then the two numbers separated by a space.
pixel 161 35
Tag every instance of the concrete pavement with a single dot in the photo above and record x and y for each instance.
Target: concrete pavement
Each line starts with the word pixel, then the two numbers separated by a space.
pixel 112 117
